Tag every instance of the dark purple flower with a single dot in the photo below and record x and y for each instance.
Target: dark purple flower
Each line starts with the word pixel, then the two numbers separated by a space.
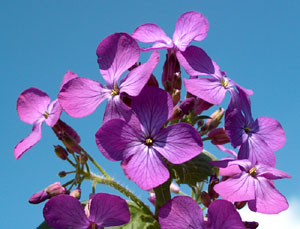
pixel 258 139
pixel 140 143
pixel 106 210
pixel 182 212
pixel 252 183
pixel 116 54
pixel 34 107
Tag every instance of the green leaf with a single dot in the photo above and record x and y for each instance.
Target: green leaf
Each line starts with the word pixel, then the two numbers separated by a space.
pixel 162 195
pixel 44 225
pixel 138 219
pixel 194 170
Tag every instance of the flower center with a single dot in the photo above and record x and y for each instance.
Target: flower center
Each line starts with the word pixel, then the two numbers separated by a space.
pixel 93 225
pixel 115 91
pixel 46 114
pixel 253 171
pixel 247 130
pixel 224 82
pixel 149 142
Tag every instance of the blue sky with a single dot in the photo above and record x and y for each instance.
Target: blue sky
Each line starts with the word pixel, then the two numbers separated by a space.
pixel 255 42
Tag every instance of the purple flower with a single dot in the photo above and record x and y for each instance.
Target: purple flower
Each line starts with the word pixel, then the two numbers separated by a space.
pixel 116 54
pixel 252 183
pixel 183 212
pixel 34 107
pixel 140 143
pixel 52 190
pixel 106 210
pixel 257 139
pixel 211 89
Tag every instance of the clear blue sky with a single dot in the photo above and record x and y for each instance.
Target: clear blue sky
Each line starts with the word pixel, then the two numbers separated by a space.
pixel 255 42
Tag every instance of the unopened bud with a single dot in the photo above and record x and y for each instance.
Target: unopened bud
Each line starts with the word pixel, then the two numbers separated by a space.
pixel 61 152
pixel 152 81
pixel 62 129
pixel 171 72
pixel 174 188
pixel 62 174
pixel 187 105
pixel 71 144
pixel 175 96
pixel 214 121
pixel 240 204
pixel 177 113
pixel 83 159
pixel 152 198
pixel 177 81
pixel 38 197
pixel 251 225
pixel 212 182
pixel 55 189
pixel 201 105
pixel 76 193
pixel 205 199
pixel 218 136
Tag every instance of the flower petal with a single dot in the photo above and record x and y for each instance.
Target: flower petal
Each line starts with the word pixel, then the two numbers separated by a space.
pixel 272 132
pixel 116 53
pixel 237 188
pixel 30 140
pixel 67 77
pixel 81 96
pixel 189 26
pixel 115 108
pixel 32 104
pixel 149 33
pixel 268 200
pixel 270 173
pixel 208 89
pixel 222 214
pixel 115 139
pixel 178 143
pixel 108 210
pixel 135 80
pixel 54 110
pixel 181 212
pixel 64 211
pixel 153 107
pixel 196 62
pixel 147 169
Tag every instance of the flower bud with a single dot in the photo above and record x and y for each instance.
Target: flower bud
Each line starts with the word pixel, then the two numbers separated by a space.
pixel 171 72
pixel 214 121
pixel 83 159
pixel 205 199
pixel 174 188
pixel 62 174
pixel 218 136
pixel 177 113
pixel 240 204
pixel 251 225
pixel 62 129
pixel 187 105
pixel 71 144
pixel 201 105
pixel 38 197
pixel 175 96
pixel 76 193
pixel 152 81
pixel 55 189
pixel 61 152
pixel 152 198
pixel 212 182
pixel 177 81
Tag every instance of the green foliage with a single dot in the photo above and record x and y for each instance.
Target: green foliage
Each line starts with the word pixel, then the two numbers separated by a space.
pixel 44 225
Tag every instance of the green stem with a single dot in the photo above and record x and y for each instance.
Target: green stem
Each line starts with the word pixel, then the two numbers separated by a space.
pixel 120 188
pixel 71 162
pixel 205 139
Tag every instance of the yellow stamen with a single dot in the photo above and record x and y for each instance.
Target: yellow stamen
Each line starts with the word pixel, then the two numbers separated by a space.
pixel 253 171
pixel 224 82
pixel 46 114
pixel 149 141
pixel 115 91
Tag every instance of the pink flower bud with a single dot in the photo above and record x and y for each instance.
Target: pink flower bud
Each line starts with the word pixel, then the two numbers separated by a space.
pixel 218 136
pixel 76 193
pixel 61 129
pixel 61 152
pixel 214 121
pixel 174 188
pixel 55 189
pixel 187 105
pixel 38 197
pixel 177 113
pixel 201 105
pixel 62 174
pixel 205 199
pixel 152 198
pixel 171 72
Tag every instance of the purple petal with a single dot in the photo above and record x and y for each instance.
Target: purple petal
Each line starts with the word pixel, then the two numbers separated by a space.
pixel 54 111
pixel 196 62
pixel 149 33
pixel 116 140
pixel 147 169
pixel 116 53
pixel 271 131
pixel 181 212
pixel 32 104
pixel 108 210
pixel 222 214
pixel 67 77
pixel 237 188
pixel 134 82
pixel 268 200
pixel 153 107
pixel 178 143
pixel 270 173
pixel 257 151
pixel 225 168
pixel 81 96
pixel 189 26
pixel 30 140
pixel 115 108
pixel 208 89
pixel 64 211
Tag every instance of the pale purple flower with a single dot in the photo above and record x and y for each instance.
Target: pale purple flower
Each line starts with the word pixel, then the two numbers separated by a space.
pixel 258 139
pixel 140 143
pixel 105 210
pixel 252 183
pixel 34 107
pixel 116 54
pixel 182 212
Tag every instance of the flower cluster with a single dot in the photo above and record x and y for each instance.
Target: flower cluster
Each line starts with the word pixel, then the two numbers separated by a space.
pixel 157 135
